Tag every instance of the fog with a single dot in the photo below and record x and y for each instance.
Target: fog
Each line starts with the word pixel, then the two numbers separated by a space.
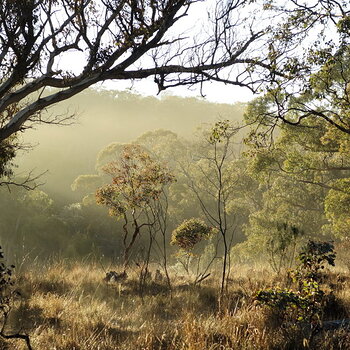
pixel 102 117
pixel 58 218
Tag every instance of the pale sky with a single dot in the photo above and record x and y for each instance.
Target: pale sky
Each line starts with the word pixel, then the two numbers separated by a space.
pixel 213 91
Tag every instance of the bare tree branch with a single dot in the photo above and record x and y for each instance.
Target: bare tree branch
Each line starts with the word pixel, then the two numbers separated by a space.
pixel 113 38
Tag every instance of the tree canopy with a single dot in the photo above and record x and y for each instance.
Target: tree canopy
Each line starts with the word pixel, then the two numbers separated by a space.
pixel 315 83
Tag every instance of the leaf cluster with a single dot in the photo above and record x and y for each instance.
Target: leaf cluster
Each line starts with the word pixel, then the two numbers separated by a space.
pixel 306 302
pixel 313 258
pixel 190 232
pixel 282 299
pixel 220 131
pixel 293 306
pixel 7 153
pixel 137 180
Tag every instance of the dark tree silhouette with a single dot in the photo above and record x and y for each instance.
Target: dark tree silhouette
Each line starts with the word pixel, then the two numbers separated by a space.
pixel 120 40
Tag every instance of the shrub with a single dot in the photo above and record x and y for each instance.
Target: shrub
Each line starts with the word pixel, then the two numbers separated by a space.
pixel 191 232
pixel 305 303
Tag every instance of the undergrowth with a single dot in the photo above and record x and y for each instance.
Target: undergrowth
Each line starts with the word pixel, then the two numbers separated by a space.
pixel 69 306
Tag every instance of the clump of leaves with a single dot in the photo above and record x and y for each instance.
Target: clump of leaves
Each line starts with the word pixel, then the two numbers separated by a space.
pixel 137 181
pixel 312 260
pixel 305 303
pixel 191 232
pixel 281 298
pixel 7 153
pixel 220 130
pixel 295 307
pixel 187 236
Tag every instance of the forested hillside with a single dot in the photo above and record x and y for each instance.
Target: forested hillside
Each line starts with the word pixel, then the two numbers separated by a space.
pixel 103 117
pixel 280 189
pixel 62 154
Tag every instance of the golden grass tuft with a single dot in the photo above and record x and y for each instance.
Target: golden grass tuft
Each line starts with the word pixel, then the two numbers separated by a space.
pixel 68 306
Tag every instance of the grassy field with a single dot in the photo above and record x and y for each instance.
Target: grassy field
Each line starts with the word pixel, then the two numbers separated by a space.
pixel 70 306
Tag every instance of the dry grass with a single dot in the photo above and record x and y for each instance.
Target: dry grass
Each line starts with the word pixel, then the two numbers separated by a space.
pixel 69 306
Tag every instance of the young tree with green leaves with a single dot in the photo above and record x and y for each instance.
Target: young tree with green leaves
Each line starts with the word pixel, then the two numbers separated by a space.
pixel 212 176
pixel 137 185
pixel 187 237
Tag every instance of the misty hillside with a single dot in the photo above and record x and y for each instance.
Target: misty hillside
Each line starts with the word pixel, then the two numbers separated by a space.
pixel 102 117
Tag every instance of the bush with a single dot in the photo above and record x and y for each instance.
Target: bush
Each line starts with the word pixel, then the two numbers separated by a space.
pixel 191 232
pixel 306 302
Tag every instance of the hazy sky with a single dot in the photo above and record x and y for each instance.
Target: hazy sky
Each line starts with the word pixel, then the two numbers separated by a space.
pixel 195 22
pixel 214 92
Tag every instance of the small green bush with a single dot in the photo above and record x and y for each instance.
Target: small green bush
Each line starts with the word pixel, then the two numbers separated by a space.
pixel 305 303
pixel 191 232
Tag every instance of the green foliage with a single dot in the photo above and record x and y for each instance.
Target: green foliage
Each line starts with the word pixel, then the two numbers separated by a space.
pixel 89 228
pixel 305 304
pixel 220 131
pixel 136 195
pixel 163 145
pixel 281 246
pixel 194 257
pixel 337 207
pixel 190 232
pixel 136 115
pixel 314 82
pixel 108 154
pixel 300 130
pixel 137 180
pixel 313 258
pixel 303 176
pixel 291 304
pixel 7 153
pixel 295 308
pixel 38 200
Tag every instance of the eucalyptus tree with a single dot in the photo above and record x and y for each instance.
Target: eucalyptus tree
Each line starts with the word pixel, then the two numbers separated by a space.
pixel 137 185
pixel 312 99
pixel 211 174
pixel 315 83
pixel 304 175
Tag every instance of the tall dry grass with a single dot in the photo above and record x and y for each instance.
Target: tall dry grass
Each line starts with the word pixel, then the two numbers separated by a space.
pixel 69 306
